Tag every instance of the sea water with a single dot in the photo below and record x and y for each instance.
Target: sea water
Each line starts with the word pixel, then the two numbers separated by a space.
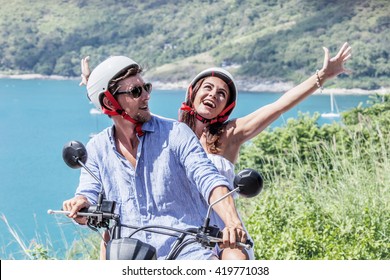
pixel 37 118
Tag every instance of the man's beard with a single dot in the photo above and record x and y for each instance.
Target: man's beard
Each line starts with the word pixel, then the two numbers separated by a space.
pixel 142 118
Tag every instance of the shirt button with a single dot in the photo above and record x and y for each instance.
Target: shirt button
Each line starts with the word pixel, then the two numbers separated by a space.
pixel 140 195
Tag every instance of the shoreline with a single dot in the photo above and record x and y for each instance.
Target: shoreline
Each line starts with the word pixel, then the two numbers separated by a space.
pixel 276 87
pixel 36 77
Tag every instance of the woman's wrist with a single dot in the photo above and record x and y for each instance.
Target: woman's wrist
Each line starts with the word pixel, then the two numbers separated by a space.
pixel 320 79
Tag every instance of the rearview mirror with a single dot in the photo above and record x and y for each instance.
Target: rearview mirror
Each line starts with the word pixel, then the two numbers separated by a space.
pixel 73 153
pixel 249 182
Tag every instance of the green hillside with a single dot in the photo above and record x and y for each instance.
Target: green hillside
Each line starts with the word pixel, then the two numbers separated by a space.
pixel 269 40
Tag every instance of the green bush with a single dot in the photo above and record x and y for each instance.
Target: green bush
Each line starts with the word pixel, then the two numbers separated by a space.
pixel 327 188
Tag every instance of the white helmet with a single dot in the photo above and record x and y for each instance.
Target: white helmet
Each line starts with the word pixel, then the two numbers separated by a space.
pixel 100 77
pixel 220 73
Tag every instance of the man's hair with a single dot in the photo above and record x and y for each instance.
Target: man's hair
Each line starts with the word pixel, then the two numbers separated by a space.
pixel 132 70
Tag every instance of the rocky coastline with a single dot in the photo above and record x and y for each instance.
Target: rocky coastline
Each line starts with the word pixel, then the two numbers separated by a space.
pixel 277 87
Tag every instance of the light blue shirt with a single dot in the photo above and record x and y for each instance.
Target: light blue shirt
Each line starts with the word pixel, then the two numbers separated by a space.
pixel 169 186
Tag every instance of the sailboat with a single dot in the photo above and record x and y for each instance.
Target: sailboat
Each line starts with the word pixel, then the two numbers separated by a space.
pixel 94 111
pixel 332 113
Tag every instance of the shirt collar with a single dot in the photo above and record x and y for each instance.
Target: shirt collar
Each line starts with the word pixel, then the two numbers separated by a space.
pixel 149 126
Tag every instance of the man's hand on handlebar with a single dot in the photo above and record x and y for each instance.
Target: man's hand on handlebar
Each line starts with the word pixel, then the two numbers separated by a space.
pixel 234 231
pixel 74 205
pixel 232 235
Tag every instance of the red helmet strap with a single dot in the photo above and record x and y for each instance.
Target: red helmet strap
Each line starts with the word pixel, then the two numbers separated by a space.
pixel 227 109
pixel 118 111
pixel 220 118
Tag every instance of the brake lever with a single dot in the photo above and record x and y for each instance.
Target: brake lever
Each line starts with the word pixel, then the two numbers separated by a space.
pixel 247 245
pixel 81 214
pixel 211 235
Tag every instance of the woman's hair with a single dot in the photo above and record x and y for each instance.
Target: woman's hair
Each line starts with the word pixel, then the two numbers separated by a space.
pixel 213 135
pixel 214 131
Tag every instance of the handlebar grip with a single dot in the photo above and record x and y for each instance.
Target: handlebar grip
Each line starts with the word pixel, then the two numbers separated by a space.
pixel 245 245
pixel 85 210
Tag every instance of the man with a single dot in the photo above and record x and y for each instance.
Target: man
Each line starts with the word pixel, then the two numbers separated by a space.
pixel 154 168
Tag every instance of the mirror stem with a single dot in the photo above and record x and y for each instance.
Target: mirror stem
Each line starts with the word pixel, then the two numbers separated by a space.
pixel 207 220
pixel 90 173
pixel 100 197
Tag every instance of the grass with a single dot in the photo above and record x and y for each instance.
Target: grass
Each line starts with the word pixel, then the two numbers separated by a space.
pixel 16 237
pixel 335 205
pixel 85 247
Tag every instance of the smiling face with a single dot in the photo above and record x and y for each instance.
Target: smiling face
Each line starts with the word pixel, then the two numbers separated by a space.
pixel 211 98
pixel 136 108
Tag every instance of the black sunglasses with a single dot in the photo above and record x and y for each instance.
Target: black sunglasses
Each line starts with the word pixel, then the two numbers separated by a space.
pixel 136 92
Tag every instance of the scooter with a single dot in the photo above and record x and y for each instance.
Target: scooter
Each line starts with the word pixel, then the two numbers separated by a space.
pixel 247 183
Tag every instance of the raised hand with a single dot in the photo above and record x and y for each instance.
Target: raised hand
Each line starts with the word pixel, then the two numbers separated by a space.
pixel 335 65
pixel 85 71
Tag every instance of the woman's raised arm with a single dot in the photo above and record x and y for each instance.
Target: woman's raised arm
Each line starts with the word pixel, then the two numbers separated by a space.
pixel 252 124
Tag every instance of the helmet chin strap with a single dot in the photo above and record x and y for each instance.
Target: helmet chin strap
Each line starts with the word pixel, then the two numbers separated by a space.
pixel 220 118
pixel 120 112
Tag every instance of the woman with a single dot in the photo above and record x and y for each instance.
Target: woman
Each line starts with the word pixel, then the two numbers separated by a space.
pixel 211 98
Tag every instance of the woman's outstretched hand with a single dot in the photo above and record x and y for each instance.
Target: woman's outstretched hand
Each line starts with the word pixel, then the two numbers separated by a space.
pixel 335 65
pixel 85 71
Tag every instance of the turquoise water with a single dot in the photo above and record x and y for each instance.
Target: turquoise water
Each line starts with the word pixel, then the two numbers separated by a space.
pixel 37 117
